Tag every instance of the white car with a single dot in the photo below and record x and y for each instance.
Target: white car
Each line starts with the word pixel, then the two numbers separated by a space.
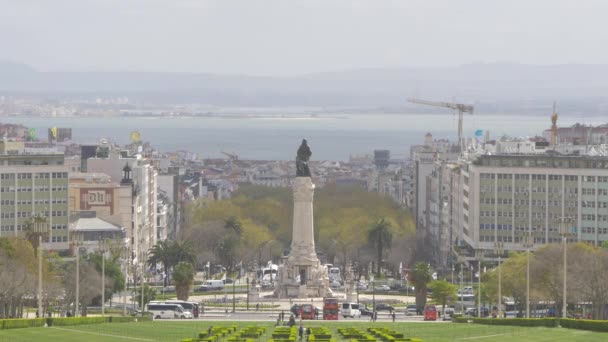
pixel 383 288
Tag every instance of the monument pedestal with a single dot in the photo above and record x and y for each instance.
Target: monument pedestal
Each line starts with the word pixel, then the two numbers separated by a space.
pixel 301 275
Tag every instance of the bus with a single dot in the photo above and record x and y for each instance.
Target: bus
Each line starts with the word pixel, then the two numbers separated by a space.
pixel 330 308
pixel 307 311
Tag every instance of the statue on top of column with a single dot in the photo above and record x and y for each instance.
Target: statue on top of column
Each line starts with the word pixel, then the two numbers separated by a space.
pixel 302 158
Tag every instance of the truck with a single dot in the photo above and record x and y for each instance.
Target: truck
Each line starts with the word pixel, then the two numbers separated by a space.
pixel 331 310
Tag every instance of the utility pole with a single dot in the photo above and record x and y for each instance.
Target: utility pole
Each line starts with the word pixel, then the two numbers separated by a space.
pixel 76 243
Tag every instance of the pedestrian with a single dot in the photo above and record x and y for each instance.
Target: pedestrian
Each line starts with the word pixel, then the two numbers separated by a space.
pixel 257 307
pixel 375 315
pixel 301 331
pixel 210 331
pixel 393 314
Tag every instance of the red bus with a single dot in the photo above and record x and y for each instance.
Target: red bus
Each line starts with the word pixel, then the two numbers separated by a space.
pixel 330 309
pixel 430 312
pixel 307 311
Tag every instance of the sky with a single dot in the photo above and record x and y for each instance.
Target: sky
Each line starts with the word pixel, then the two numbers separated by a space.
pixel 293 37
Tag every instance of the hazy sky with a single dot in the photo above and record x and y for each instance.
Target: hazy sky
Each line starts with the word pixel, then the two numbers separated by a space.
pixel 285 37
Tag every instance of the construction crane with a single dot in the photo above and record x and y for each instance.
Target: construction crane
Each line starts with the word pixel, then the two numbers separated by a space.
pixel 232 156
pixel 461 108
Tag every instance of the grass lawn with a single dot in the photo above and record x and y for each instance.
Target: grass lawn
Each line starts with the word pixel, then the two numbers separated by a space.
pixel 176 330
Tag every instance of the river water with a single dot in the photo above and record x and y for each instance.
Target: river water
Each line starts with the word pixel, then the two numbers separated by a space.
pixel 277 138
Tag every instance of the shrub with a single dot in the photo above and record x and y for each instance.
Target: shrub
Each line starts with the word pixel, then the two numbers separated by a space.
pixel 584 324
pixel 21 323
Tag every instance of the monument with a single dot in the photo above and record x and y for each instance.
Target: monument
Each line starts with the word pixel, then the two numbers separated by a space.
pixel 301 273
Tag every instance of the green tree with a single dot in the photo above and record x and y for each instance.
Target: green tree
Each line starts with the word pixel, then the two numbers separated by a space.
pixel 183 276
pixel 443 292
pixel 169 253
pixel 31 233
pixel 115 279
pixel 380 237
pixel 421 275
pixel 233 224
pixel 162 253
pixel 149 295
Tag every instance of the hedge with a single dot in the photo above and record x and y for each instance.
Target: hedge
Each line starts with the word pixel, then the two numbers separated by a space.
pixel 584 324
pixel 65 321
pixel 522 322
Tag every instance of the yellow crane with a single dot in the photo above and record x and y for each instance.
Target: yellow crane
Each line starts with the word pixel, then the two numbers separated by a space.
pixel 461 108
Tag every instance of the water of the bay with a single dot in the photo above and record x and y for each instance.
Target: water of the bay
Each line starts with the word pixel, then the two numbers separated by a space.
pixel 333 137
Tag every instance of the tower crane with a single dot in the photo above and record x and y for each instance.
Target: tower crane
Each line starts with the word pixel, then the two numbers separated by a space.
pixel 461 108
pixel 232 156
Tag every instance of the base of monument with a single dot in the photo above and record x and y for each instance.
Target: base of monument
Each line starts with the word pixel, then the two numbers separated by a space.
pixel 302 291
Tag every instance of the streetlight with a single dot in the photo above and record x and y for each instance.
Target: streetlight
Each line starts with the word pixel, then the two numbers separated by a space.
pixel 373 299
pixel 77 242
pixel 103 247
pixel 142 264
pixel 40 227
pixel 528 242
pixel 565 232
pixel 247 292
pixel 125 255
pixel 499 248
pixel 479 255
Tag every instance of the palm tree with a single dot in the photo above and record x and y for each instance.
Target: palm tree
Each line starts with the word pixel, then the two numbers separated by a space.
pixel 380 237
pixel 233 223
pixel 183 276
pixel 161 253
pixel 33 234
pixel 169 253
pixel 421 277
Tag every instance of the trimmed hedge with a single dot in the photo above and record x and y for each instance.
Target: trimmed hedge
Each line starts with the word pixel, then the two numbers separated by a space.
pixel 522 322
pixel 584 324
pixel 65 321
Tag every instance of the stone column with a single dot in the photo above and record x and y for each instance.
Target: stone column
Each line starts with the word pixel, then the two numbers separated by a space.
pixel 303 244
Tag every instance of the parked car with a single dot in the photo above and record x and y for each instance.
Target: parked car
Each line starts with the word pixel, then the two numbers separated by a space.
pixel 365 311
pixel 384 307
pixel 169 289
pixel 411 310
pixel 383 288
pixel 228 281
pixel 335 284
pixel 295 310
pixel 361 286
pixel 473 312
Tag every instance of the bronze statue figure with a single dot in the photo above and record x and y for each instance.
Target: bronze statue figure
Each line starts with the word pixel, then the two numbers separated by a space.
pixel 304 154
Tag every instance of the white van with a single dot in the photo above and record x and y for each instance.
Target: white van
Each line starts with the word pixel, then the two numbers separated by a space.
pixel 167 311
pixel 350 310
pixel 212 285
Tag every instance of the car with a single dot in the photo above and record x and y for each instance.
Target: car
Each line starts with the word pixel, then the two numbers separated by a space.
pixel 384 307
pixel 228 281
pixel 361 287
pixel 295 310
pixel 335 284
pixel 383 288
pixel 411 310
pixel 169 289
pixel 365 311
pixel 473 312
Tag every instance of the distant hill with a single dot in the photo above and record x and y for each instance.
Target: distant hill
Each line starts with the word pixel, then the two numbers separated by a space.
pixel 494 87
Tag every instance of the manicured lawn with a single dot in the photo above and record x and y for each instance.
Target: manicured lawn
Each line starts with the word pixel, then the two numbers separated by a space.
pixel 176 330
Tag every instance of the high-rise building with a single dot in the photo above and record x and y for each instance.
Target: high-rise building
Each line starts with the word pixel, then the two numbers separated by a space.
pixel 34 185
pixel 505 196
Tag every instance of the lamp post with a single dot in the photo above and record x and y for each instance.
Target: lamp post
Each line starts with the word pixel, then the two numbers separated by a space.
pixel 479 254
pixel 103 246
pixel 40 227
pixel 247 293
pixel 528 242
pixel 373 299
pixel 125 255
pixel 499 249
pixel 565 232
pixel 142 264
pixel 76 243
